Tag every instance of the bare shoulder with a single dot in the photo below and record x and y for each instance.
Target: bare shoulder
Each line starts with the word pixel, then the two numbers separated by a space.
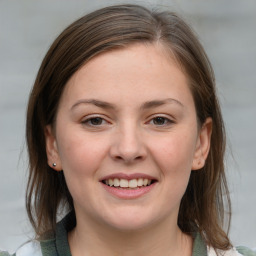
pixel 27 249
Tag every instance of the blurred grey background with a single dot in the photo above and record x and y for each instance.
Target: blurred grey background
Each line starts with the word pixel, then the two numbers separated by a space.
pixel 226 28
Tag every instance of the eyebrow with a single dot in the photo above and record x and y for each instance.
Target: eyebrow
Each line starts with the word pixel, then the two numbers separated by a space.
pixel 157 103
pixel 98 103
pixel 145 105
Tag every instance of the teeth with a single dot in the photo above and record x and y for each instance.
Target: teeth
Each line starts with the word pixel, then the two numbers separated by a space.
pixel 133 183
pixel 116 182
pixel 123 183
pixel 140 182
pixel 110 182
pixel 145 182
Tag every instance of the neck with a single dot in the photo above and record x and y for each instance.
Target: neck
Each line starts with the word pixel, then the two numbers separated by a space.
pixel 160 239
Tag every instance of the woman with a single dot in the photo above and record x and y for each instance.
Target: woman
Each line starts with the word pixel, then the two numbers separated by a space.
pixel 125 137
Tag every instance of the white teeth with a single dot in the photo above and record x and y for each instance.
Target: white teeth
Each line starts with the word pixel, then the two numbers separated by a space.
pixel 123 183
pixel 133 183
pixel 140 182
pixel 145 182
pixel 116 182
pixel 110 182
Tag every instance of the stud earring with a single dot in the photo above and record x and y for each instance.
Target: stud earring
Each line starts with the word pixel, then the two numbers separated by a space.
pixel 54 164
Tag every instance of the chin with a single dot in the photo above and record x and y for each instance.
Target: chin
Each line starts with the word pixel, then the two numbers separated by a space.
pixel 131 221
pixel 130 226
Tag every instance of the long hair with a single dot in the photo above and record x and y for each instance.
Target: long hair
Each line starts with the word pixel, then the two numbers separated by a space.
pixel 115 27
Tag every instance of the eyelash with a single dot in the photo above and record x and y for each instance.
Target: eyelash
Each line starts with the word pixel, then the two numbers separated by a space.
pixel 88 121
pixel 167 121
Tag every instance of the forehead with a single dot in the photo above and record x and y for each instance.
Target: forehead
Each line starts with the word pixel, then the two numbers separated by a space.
pixel 140 69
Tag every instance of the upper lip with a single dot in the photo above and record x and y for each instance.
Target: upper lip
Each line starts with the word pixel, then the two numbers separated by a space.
pixel 128 176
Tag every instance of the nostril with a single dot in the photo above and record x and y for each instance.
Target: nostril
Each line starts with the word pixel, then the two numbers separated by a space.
pixel 128 150
pixel 127 159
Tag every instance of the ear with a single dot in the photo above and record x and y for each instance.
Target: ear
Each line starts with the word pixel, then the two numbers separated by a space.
pixel 203 145
pixel 51 149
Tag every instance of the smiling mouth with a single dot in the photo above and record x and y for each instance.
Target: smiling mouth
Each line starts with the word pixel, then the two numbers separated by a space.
pixel 128 184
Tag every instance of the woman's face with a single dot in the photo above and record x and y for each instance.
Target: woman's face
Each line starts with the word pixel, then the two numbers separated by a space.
pixel 127 138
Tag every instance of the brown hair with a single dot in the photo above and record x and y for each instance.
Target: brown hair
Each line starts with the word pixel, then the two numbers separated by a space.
pixel 202 206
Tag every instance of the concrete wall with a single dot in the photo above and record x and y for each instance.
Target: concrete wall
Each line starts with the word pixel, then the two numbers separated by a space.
pixel 226 29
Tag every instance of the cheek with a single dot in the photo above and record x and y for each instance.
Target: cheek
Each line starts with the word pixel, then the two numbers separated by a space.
pixel 80 159
pixel 174 157
pixel 174 153
pixel 80 154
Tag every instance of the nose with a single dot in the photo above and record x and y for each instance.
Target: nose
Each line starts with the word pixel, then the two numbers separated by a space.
pixel 128 146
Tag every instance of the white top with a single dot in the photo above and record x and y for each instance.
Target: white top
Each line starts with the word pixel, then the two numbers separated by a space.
pixel 230 252
pixel 33 248
pixel 29 249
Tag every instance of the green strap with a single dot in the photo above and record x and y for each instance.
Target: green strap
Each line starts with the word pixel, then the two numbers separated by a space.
pixel 199 247
pixel 48 248
pixel 57 245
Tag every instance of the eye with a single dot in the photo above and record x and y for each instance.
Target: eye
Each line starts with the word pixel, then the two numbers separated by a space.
pixel 94 121
pixel 161 121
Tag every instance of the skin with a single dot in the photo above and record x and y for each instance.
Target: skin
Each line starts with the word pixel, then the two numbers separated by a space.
pixel 128 138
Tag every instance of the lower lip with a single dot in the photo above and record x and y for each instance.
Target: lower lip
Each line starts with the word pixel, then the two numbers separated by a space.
pixel 128 193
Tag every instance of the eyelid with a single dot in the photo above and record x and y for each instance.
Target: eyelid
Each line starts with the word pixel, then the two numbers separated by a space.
pixel 169 119
pixel 87 118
